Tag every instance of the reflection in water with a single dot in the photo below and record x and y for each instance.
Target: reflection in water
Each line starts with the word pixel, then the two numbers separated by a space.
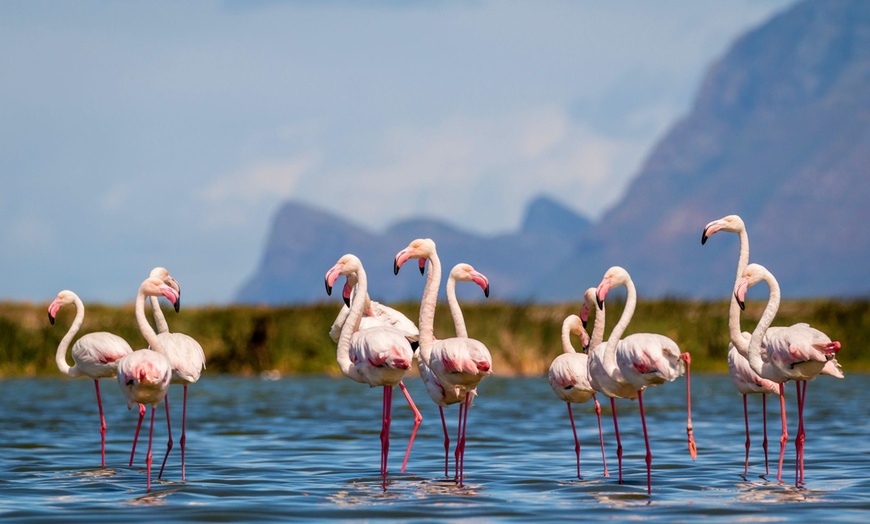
pixel 278 448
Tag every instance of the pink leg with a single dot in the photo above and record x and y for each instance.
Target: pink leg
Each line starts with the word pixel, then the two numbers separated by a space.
pixel 183 440
pixel 618 440
pixel 385 432
pixel 148 458
pixel 418 418
pixel 169 443
pixel 446 442
pixel 784 438
pixel 136 435
pixel 576 440
pixel 746 445
pixel 800 438
pixel 461 444
pixel 458 451
pixel 102 426
pixel 648 457
pixel 693 449
pixel 764 442
pixel 601 435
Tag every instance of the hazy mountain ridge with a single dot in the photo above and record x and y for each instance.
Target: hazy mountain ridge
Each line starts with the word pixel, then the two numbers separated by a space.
pixel 779 133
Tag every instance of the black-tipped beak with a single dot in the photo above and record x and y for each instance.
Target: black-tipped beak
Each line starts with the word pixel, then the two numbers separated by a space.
pixel 704 237
pixel 346 301
pixel 178 303
pixel 51 318
pixel 584 322
pixel 328 288
pixel 600 302
pixel 422 266
pixel 486 291
pixel 395 267
pixel 740 303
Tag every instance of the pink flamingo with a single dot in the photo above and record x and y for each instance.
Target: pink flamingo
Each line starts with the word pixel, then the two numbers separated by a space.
pixel 604 374
pixel 185 355
pixel 646 359
pixel 378 356
pixel 744 378
pixel 797 352
pixel 95 355
pixel 159 319
pixel 144 375
pixel 458 363
pixel 569 378
pixel 441 395
pixel 376 314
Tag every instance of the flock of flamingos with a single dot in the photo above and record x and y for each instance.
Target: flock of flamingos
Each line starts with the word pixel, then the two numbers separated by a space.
pixel 376 346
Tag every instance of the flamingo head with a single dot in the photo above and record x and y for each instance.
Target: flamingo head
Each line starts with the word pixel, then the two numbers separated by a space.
pixel 154 287
pixel 63 298
pixel 574 325
pixel 421 248
pixel 589 301
pixel 753 274
pixel 730 223
pixel 348 265
pixel 163 274
pixel 614 277
pixel 464 272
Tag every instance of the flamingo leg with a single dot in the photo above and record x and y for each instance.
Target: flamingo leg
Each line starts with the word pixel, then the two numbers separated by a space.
pixel 618 440
pixel 169 442
pixel 648 457
pixel 764 442
pixel 576 440
pixel 385 431
pixel 783 440
pixel 746 445
pixel 800 387
pixel 446 441
pixel 461 443
pixel 418 418
pixel 693 449
pixel 458 451
pixel 148 458
pixel 136 435
pixel 102 426
pixel 183 441
pixel 600 435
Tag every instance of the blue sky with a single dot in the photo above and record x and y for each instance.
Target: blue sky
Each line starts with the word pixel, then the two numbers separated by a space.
pixel 136 134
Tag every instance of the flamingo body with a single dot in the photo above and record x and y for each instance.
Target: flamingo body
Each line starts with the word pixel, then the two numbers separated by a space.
pixel 95 355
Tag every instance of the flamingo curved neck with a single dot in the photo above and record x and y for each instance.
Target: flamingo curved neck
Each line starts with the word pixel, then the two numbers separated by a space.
pixel 159 318
pixel 734 310
pixel 567 346
pixel 144 327
pixel 426 325
pixel 455 310
pixel 597 328
pixel 60 356
pixel 754 350
pixel 359 298
pixel 610 351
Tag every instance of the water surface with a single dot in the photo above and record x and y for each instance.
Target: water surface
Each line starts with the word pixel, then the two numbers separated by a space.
pixel 307 448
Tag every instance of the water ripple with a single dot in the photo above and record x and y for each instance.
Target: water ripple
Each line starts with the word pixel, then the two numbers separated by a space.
pixel 307 448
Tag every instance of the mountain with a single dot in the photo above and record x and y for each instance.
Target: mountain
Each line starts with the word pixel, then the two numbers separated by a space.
pixel 305 242
pixel 779 133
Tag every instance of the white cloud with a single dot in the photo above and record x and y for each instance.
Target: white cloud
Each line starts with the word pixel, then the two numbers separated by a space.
pixel 479 173
pixel 230 198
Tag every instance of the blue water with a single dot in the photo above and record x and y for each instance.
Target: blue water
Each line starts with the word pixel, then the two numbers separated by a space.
pixel 307 448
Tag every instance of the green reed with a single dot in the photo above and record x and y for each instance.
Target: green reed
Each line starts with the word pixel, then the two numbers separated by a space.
pixel 523 338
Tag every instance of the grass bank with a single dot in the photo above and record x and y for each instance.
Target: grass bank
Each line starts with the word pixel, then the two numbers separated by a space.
pixel 523 338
